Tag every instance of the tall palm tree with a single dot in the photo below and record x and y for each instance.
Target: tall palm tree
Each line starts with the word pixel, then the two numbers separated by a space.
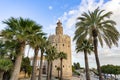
pixel 43 47
pixel 18 29
pixel 8 51
pixel 62 56
pixel 96 26
pixel 35 42
pixel 53 57
pixel 86 47
pixel 51 54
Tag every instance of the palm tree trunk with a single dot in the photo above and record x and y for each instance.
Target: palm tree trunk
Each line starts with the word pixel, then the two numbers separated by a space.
pixel 18 61
pixel 51 70
pixel 48 71
pixel 6 75
pixel 58 74
pixel 40 68
pixel 33 77
pixel 86 66
pixel 1 75
pixel 61 69
pixel 97 58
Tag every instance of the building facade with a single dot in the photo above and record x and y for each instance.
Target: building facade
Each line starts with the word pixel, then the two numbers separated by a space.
pixel 63 44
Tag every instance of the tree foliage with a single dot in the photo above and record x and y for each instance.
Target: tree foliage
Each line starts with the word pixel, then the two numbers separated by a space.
pixel 5 64
pixel 99 22
pixel 76 65
pixel 25 66
pixel 110 69
pixel 22 31
pixel 96 26
pixel 51 55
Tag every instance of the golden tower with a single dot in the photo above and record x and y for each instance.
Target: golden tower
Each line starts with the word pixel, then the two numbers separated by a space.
pixel 63 44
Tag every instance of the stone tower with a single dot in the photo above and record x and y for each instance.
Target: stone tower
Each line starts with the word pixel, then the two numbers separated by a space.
pixel 63 44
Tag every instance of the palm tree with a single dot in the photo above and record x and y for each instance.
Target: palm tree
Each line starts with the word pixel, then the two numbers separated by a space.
pixel 53 57
pixel 25 66
pixel 18 29
pixel 51 54
pixel 62 56
pixel 58 69
pixel 8 51
pixel 35 42
pixel 96 26
pixel 86 47
pixel 43 46
pixel 5 65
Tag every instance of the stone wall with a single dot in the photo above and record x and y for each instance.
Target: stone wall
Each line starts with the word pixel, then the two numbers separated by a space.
pixel 63 44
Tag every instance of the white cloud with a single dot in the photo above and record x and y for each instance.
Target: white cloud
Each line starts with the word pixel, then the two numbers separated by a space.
pixel 114 6
pixel 71 12
pixel 50 7
pixel 64 17
pixel 50 29
pixel 107 56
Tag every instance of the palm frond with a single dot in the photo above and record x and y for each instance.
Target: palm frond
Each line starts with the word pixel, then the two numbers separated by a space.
pixel 99 21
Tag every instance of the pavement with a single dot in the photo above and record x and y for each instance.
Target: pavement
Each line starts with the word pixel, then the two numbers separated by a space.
pixel 73 78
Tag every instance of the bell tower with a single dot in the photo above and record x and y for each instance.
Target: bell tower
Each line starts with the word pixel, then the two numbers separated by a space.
pixel 59 28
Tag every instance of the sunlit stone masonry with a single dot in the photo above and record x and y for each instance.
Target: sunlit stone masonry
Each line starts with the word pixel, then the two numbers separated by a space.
pixel 62 43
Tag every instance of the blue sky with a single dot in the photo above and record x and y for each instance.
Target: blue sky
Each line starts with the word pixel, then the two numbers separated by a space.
pixel 47 13
pixel 43 12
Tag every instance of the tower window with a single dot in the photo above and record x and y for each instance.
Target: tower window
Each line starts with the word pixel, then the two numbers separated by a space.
pixel 55 66
pixel 56 44
pixel 63 44
pixel 68 45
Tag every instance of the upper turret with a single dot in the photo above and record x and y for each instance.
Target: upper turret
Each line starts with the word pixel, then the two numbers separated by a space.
pixel 59 28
